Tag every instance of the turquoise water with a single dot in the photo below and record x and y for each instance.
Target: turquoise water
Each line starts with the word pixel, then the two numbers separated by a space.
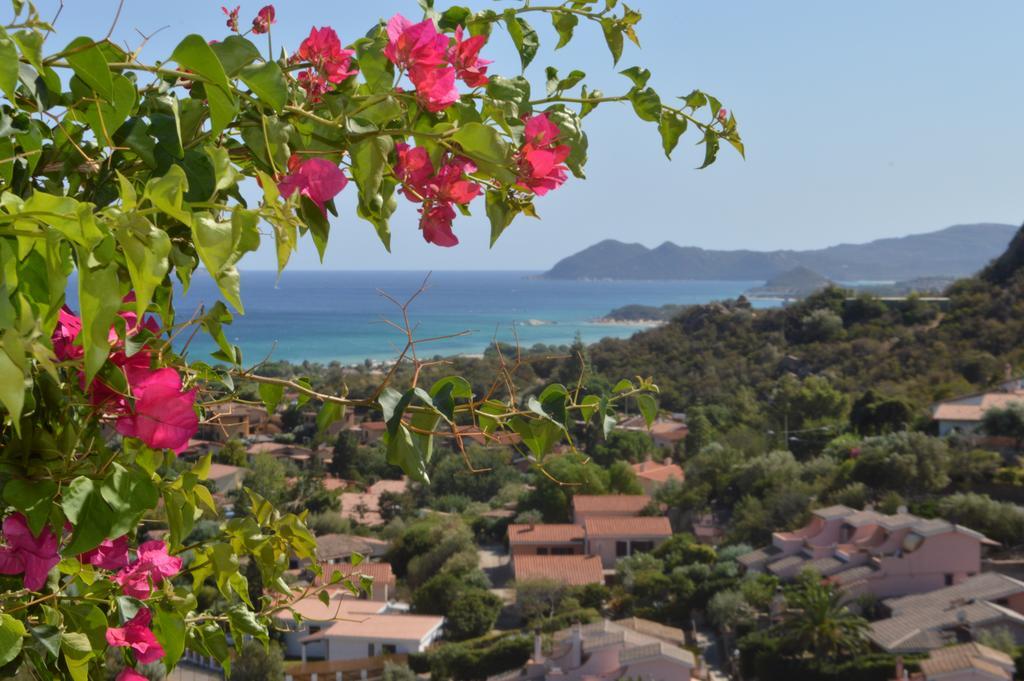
pixel 325 316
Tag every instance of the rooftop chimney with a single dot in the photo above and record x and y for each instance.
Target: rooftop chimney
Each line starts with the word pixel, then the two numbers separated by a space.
pixel 538 652
pixel 900 669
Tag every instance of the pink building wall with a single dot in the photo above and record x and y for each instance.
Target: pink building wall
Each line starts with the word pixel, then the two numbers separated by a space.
pixel 605 547
pixel 534 550
pixel 952 554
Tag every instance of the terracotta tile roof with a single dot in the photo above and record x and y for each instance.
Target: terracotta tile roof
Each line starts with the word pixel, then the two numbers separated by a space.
pixel 334 546
pixel 968 656
pixel 340 605
pixel 660 631
pixel 571 570
pixel 381 486
pixel 380 572
pixel 222 470
pixel 973 408
pixel 361 508
pixel 626 527
pixel 386 627
pixel 659 472
pixel 560 533
pixel 929 628
pixel 610 503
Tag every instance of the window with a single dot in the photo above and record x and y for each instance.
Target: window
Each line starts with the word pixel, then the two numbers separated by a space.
pixel 388 649
pixel 370 650
pixel 621 548
pixel 313 629
pixel 949 579
pixel 542 550
pixel 562 551
pixel 642 546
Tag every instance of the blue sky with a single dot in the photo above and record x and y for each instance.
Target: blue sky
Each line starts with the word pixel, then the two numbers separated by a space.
pixel 861 120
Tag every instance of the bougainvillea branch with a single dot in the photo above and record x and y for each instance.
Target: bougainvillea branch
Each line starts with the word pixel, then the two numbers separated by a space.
pixel 119 179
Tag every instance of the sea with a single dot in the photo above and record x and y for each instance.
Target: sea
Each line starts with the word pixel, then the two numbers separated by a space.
pixel 342 316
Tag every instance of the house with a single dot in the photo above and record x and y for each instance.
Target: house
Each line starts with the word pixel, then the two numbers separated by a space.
pixel 614 537
pixel 966 662
pixel 593 505
pixel 573 570
pixel 964 414
pixel 499 438
pixel 665 431
pixel 708 528
pixel 338 548
pixel 381 589
pixel 369 432
pixel 315 615
pixel 659 631
pixel 364 507
pixel 372 635
pixel 652 475
pixel 226 478
pixel 870 552
pixel 555 539
pixel 297 454
pixel 604 651
pixel 929 621
pixel 227 420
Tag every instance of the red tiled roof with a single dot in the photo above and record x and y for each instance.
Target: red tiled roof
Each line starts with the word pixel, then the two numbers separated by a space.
pixel 381 572
pixel 658 472
pixel 610 503
pixel 544 534
pixel 390 626
pixel 625 527
pixel 222 470
pixel 570 570
pixel 974 408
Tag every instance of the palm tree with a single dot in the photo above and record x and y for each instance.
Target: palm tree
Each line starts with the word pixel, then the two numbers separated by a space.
pixel 817 622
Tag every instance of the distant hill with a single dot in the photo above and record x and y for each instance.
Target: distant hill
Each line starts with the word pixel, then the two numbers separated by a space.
pixel 797 282
pixel 959 250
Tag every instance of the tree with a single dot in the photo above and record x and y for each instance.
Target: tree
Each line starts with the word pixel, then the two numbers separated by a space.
pixel 472 614
pixel 817 622
pixel 698 433
pixel 873 414
pixel 623 445
pixel 622 479
pixel 1005 422
pixel 256 663
pixel 345 453
pixel 539 598
pixel 729 609
pixel 232 453
pixel 394 672
pixel 122 178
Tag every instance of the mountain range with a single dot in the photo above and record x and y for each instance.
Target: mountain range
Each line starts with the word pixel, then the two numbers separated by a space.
pixel 959 250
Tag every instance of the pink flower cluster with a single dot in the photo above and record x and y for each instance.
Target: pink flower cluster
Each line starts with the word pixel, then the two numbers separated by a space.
pixel 156 410
pixel 260 24
pixel 151 567
pixel 436 190
pixel 329 63
pixel 28 554
pixel 136 634
pixel 316 178
pixel 541 159
pixel 433 64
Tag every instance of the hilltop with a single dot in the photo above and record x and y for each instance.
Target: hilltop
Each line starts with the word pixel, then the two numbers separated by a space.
pixel 960 250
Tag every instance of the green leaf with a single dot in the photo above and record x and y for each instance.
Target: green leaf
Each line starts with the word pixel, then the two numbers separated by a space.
pixel 83 504
pixel 646 103
pixel 267 82
pixel 105 119
pixel 235 53
pixel 169 628
pixel 33 498
pixel 565 24
pixel 146 248
pixel 271 395
pixel 100 299
pixel 648 407
pixel 8 66
pixel 328 414
pixel 613 37
pixel 316 222
pixel 87 60
pixel 638 75
pixel 484 144
pixel 402 451
pixel 193 53
pixel 452 17
pixel 168 192
pixel 375 68
pixel 12 388
pixel 243 621
pixel 218 246
pixel 589 405
pixel 130 493
pixel 710 147
pixel 499 212
pixel 77 652
pixel 523 36
pixel 539 435
pixel 695 100
pixel 12 635
pixel 622 386
pixel 48 637
pixel 671 126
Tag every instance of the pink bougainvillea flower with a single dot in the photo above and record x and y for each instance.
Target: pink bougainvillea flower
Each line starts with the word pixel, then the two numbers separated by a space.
pixel 317 178
pixel 163 416
pixel 129 674
pixel 450 184
pixel 414 170
pixel 26 553
pixel 723 114
pixel 436 223
pixel 264 18
pixel 109 555
pixel 152 566
pixel 435 86
pixel 136 634
pixel 330 63
pixel 464 55
pixel 64 335
pixel 411 45
pixel 541 159
pixel 232 15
